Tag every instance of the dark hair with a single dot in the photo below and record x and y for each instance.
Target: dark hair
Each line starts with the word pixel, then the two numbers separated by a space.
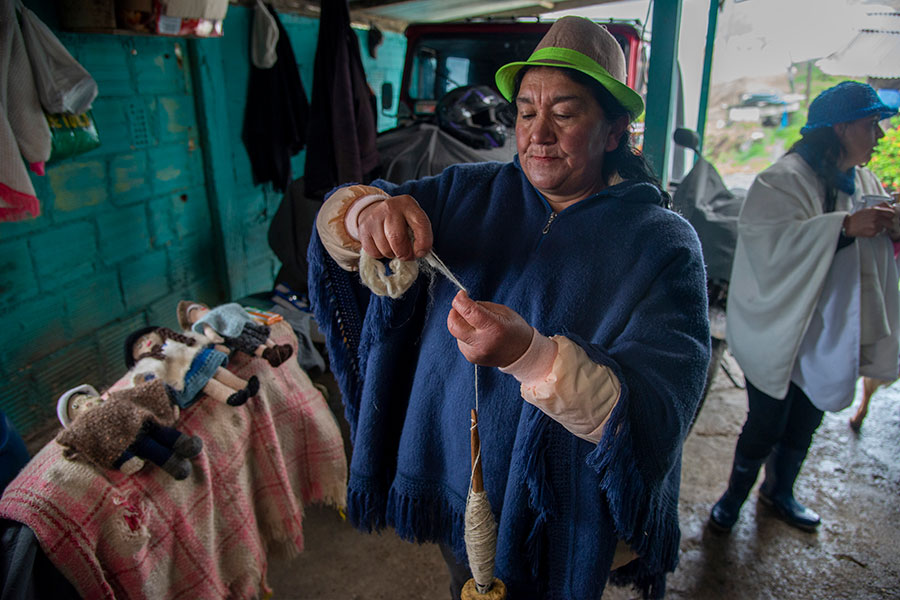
pixel 624 159
pixel 163 332
pixel 823 144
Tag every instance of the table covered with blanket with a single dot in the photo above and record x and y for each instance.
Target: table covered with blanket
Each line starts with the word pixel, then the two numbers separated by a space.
pixel 149 536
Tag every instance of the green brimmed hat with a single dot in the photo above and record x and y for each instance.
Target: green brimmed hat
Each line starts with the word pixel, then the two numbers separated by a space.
pixel 580 44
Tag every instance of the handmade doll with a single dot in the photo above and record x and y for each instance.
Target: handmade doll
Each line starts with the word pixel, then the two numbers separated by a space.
pixel 188 364
pixel 232 326
pixel 131 423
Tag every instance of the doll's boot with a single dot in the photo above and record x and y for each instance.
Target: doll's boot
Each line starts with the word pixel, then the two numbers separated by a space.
pixel 238 398
pixel 726 511
pixel 777 490
pixel 178 467
pixel 188 446
pixel 272 356
pixel 286 351
pixel 276 355
pixel 252 386
pixel 241 396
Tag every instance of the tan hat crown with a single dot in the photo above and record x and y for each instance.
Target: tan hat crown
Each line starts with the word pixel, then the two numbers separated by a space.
pixel 589 38
pixel 580 44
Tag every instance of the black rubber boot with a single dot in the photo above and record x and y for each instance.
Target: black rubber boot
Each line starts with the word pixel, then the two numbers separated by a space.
pixel 777 489
pixel 725 512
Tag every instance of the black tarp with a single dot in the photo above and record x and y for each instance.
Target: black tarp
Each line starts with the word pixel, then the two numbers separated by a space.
pixel 276 115
pixel 342 127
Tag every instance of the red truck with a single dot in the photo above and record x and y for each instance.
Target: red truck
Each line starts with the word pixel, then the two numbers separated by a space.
pixel 441 57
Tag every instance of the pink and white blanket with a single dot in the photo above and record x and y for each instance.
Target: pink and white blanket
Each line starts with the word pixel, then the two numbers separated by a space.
pixel 150 536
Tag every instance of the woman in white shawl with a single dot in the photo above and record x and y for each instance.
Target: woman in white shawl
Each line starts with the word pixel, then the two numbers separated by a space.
pixel 813 300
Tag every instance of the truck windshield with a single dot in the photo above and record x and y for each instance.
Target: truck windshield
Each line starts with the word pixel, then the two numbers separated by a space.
pixel 441 63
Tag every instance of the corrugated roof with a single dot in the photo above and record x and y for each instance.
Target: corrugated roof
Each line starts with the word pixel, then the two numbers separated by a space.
pixel 873 52
pixel 433 11
pixel 396 14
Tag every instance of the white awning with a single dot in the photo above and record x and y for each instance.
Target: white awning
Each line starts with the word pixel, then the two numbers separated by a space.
pixel 874 52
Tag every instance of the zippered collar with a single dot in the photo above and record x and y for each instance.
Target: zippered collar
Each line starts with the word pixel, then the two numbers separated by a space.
pixel 630 190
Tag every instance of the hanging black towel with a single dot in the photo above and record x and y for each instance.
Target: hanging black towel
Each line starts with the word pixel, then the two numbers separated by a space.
pixel 342 119
pixel 276 116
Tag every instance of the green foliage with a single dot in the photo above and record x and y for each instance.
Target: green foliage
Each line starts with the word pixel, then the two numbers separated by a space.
pixel 819 81
pixel 885 161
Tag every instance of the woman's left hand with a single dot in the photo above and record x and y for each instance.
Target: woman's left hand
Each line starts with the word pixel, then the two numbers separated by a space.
pixel 869 222
pixel 488 334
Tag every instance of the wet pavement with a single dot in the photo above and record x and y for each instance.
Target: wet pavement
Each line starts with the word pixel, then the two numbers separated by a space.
pixel 851 480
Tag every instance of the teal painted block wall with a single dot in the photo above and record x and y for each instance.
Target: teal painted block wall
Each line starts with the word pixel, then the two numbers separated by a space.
pixel 164 209
pixel 112 239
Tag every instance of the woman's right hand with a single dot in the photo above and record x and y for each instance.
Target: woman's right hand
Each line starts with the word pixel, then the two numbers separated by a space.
pixel 869 222
pixel 396 227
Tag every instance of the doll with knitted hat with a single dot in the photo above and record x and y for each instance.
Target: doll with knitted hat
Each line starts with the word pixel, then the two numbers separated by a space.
pixel 188 364
pixel 130 426
pixel 231 325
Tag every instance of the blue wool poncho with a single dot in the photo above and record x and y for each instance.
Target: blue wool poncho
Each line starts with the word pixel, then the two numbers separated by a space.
pixel 617 274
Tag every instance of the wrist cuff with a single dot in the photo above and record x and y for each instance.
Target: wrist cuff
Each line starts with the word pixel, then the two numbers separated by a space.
pixel 537 361
pixel 351 219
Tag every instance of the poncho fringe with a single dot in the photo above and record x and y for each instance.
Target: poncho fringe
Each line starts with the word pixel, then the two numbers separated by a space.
pixel 636 511
pixel 342 330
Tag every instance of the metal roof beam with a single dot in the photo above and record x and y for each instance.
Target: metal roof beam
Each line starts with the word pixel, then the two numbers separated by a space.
pixel 662 84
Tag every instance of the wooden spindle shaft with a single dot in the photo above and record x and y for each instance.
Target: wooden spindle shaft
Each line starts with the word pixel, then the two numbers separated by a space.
pixel 477 480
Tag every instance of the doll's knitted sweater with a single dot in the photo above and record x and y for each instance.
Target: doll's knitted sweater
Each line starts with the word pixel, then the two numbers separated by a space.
pixel 101 435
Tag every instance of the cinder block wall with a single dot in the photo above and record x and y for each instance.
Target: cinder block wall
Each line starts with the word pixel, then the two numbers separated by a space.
pixel 145 220
pixel 124 231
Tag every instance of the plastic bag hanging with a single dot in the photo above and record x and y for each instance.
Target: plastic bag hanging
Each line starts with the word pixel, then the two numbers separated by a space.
pixel 63 85
pixel 23 128
pixel 263 38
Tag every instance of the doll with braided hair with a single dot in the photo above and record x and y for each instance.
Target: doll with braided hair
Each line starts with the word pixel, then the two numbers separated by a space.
pixel 231 325
pixel 188 364
pixel 129 427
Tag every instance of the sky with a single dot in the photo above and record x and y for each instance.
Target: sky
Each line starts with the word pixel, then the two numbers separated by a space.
pixel 754 38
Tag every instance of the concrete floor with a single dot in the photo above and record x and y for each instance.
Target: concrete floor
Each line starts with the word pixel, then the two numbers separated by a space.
pixel 852 480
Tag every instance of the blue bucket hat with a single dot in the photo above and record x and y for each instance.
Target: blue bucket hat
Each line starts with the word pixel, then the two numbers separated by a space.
pixel 847 101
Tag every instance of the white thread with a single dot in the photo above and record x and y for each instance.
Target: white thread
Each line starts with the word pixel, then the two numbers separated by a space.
pixel 431 259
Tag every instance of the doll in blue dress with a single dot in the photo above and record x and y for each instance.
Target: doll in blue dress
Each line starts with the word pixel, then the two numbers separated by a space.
pixel 232 326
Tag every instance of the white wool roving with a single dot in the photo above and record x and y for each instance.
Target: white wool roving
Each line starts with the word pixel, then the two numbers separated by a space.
pixel 403 273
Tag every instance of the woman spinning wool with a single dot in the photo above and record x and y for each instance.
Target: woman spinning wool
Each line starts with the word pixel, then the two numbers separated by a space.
pixel 586 311
pixel 813 302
